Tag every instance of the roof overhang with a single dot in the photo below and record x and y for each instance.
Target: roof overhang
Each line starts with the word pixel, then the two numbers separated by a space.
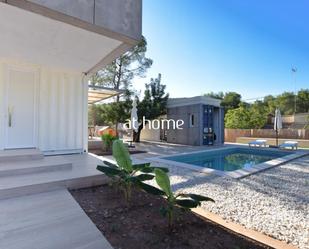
pixel 97 94
pixel 197 100
pixel 41 36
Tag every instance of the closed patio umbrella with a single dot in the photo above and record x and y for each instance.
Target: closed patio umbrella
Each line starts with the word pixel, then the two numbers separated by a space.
pixel 134 121
pixel 277 124
pixel 134 117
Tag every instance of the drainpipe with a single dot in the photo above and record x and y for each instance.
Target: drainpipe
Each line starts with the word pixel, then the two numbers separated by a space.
pixel 85 112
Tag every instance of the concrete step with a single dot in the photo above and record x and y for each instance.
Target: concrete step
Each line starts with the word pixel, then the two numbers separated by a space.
pixel 82 174
pixel 47 164
pixel 27 184
pixel 20 155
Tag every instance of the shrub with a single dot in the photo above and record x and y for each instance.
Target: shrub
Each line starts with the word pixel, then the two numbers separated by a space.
pixel 243 117
pixel 184 201
pixel 108 140
pixel 125 174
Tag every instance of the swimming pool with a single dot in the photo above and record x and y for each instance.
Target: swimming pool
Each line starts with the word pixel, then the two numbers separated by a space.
pixel 236 161
pixel 229 159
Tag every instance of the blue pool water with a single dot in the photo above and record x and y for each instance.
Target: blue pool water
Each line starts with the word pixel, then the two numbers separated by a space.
pixel 229 159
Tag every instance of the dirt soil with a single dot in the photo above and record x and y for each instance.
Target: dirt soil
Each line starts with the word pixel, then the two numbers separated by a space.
pixel 141 226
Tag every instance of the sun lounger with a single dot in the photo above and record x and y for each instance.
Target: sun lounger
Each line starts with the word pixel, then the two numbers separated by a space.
pixel 289 145
pixel 258 143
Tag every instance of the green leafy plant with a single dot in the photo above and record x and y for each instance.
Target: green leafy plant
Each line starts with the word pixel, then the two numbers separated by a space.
pixel 126 174
pixel 181 200
pixel 108 140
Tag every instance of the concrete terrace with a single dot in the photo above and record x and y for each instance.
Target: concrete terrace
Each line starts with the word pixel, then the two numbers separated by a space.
pixel 49 173
pixel 36 209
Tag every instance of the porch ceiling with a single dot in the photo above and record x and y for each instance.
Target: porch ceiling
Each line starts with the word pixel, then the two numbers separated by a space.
pixel 98 94
pixel 37 39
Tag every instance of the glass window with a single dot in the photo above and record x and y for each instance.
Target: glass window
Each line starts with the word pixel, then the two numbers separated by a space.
pixel 191 121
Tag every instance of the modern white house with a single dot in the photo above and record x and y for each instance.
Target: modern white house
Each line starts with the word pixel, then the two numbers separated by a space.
pixel 48 51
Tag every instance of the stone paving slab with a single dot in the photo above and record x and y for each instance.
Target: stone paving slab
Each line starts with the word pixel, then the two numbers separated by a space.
pixel 50 220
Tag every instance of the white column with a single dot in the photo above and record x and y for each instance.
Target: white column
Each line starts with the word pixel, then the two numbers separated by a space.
pixel 85 113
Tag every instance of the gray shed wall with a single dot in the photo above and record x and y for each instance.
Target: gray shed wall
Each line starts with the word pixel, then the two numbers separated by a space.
pixel 188 135
pixel 194 135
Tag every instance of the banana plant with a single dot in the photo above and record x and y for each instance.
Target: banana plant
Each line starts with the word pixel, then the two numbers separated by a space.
pixel 181 200
pixel 126 174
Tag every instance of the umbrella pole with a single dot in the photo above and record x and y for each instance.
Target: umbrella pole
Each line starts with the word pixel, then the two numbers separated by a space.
pixel 277 135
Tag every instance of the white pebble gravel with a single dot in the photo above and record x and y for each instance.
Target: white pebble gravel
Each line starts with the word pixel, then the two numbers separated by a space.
pixel 274 202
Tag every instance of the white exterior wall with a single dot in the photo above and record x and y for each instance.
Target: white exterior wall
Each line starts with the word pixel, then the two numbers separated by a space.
pixel 2 108
pixel 60 111
pixel 150 134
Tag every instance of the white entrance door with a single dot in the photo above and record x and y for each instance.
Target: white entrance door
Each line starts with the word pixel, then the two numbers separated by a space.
pixel 21 111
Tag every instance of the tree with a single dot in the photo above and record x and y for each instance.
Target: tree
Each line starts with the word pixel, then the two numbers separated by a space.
pixel 120 73
pixel 253 117
pixel 270 103
pixel 153 104
pixel 94 115
pixel 303 101
pixel 109 113
pixel 238 118
pixel 258 115
pixel 286 103
pixel 218 95
pixel 231 100
pixel 116 112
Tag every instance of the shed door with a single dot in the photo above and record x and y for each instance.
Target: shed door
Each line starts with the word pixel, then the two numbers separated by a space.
pixel 20 118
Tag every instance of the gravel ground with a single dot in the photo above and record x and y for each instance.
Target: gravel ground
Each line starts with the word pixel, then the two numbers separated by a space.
pixel 275 202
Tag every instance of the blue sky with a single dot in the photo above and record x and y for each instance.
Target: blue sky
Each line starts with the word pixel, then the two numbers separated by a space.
pixel 246 46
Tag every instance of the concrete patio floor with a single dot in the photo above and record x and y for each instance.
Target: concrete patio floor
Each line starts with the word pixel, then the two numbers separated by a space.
pixel 36 209
pixel 48 220
pixel 35 206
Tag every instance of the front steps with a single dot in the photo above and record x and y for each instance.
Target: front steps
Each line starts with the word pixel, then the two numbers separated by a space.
pixel 36 209
pixel 16 186
pixel 19 178
pixel 20 155
pixel 47 164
